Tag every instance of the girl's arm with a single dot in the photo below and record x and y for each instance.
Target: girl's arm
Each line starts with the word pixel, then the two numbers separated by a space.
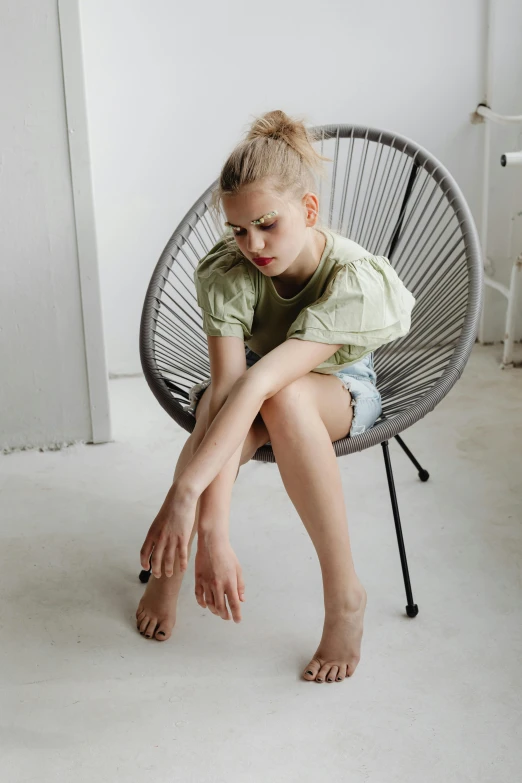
pixel 227 364
pixel 284 364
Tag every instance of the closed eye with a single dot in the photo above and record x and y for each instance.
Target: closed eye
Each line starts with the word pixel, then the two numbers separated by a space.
pixel 240 233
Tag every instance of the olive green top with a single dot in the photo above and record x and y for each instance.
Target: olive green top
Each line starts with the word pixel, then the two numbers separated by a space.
pixel 353 298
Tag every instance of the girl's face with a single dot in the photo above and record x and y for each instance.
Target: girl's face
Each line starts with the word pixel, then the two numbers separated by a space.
pixel 282 238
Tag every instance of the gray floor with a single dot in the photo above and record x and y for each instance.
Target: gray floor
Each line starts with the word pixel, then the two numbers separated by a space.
pixel 437 698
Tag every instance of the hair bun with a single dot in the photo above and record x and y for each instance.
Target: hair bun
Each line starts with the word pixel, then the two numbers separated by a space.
pixel 277 125
pixel 276 146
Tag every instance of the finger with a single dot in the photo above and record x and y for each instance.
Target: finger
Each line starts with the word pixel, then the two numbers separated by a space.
pixel 240 586
pixel 200 598
pixel 157 558
pixel 219 601
pixel 146 551
pixel 169 558
pixel 235 605
pixel 209 599
pixel 183 554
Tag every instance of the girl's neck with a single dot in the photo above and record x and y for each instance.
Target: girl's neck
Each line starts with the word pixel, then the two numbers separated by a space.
pixel 295 278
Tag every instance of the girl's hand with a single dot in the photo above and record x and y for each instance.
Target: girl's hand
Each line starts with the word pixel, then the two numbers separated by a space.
pixel 169 532
pixel 218 573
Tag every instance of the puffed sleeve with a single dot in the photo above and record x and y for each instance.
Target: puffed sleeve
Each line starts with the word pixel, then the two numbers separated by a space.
pixel 365 305
pixel 225 293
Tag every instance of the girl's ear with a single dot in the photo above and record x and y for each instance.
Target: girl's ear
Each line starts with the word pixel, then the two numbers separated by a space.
pixel 311 205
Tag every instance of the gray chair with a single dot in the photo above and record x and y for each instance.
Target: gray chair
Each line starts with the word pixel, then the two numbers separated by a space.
pixel 395 199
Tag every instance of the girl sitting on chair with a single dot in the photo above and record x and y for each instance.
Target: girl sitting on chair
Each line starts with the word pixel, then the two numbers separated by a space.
pixel 292 312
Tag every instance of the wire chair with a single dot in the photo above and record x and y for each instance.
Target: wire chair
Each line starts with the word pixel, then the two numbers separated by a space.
pixel 394 198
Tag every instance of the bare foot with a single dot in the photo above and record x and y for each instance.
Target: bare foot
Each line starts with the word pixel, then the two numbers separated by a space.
pixel 340 649
pixel 156 614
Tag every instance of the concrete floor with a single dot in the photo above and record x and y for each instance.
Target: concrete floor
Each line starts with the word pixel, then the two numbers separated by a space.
pixel 437 698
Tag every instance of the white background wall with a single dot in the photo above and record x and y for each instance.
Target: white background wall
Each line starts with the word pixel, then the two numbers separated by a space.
pixel 172 86
pixel 43 380
pixel 505 193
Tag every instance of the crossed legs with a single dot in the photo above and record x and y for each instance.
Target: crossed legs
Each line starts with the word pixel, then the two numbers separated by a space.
pixel 301 421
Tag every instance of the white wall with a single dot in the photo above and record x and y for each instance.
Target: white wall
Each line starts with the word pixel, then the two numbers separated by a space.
pixel 505 193
pixel 172 86
pixel 43 381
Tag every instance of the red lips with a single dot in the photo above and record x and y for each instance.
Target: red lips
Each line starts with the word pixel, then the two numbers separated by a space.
pixel 262 261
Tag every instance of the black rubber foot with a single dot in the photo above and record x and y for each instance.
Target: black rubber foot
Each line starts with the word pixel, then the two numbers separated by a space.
pixel 412 611
pixel 144 576
pixel 424 475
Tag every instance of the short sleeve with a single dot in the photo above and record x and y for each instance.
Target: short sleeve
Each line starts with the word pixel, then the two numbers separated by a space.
pixel 225 293
pixel 365 305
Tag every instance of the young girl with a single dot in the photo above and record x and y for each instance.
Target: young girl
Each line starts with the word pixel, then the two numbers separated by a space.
pixel 311 307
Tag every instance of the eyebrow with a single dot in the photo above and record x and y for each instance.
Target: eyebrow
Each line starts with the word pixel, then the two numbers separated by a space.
pixel 272 213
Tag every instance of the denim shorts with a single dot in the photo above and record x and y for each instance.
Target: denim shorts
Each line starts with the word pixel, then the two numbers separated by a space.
pixel 359 379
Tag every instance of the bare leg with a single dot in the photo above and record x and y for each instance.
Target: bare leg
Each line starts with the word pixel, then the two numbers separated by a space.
pixel 156 613
pixel 302 420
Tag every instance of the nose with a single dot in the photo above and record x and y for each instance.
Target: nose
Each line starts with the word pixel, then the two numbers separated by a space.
pixel 255 242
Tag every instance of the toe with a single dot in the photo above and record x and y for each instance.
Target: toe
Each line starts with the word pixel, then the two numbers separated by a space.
pixel 352 665
pixel 162 633
pixel 146 624
pixel 311 670
pixel 323 671
pixel 341 674
pixel 332 674
pixel 151 627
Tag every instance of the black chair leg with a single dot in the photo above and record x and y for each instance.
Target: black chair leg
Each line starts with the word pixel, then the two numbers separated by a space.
pixel 423 474
pixel 412 609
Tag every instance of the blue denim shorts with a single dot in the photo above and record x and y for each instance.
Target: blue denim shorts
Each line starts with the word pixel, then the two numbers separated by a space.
pixel 359 379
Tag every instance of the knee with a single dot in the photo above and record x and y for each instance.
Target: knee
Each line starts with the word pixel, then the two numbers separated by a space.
pixel 285 403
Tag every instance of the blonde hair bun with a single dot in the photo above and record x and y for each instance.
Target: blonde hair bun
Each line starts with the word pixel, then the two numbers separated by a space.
pixel 275 146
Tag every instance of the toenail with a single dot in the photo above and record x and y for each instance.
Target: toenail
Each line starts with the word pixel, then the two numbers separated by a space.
pixel 309 672
pixel 319 680
pixel 329 679
pixel 147 635
pixel 161 633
